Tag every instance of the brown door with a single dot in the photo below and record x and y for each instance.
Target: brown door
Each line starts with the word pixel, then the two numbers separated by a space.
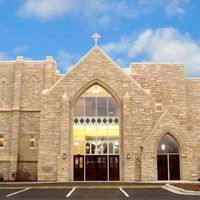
pixel 90 168
pixel 174 167
pixel 162 167
pixel 113 168
pixel 78 168
pixel 96 168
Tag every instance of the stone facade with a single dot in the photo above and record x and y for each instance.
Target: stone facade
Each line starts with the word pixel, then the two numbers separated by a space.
pixel 37 103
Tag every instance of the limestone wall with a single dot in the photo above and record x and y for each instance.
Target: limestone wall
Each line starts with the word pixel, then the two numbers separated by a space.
pixel 167 86
pixel 193 97
pixel 56 131
pixel 29 127
pixel 21 85
pixel 27 110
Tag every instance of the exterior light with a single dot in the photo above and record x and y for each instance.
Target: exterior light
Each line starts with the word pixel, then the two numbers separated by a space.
pixel 128 156
pixel 163 147
pixel 64 156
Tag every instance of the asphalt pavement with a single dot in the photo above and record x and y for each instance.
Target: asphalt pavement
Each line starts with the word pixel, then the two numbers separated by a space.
pixel 92 193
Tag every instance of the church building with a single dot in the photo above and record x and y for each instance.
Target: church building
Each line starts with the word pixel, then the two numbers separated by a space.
pixel 98 122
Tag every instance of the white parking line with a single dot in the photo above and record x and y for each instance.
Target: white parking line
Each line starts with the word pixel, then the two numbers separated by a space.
pixel 124 192
pixel 70 192
pixel 14 193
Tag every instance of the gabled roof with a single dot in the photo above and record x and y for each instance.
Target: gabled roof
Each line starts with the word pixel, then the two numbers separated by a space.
pixel 97 48
pixel 161 119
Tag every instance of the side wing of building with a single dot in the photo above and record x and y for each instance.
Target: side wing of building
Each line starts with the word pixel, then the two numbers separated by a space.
pixel 178 94
pixel 21 85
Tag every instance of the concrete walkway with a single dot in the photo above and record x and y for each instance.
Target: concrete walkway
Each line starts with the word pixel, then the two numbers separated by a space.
pixel 91 184
pixel 177 190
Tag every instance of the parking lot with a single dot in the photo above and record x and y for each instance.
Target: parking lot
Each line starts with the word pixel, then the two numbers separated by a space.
pixel 92 193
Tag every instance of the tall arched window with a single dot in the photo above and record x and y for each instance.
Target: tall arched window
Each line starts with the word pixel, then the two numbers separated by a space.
pixel 168 161
pixel 95 127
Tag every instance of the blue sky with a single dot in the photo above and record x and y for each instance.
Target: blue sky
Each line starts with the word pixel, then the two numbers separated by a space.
pixel 131 31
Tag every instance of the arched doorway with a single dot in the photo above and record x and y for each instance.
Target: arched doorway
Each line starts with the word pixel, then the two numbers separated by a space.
pixel 96 142
pixel 168 159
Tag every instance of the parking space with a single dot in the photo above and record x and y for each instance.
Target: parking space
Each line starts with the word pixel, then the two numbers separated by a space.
pixel 39 194
pixel 97 194
pixel 157 194
pixel 92 193
pixel 5 192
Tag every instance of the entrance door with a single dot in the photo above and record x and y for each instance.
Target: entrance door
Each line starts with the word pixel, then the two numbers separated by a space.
pixel 168 161
pixel 168 167
pixel 96 168
pixel 174 167
pixel 162 166
pixel 113 168
pixel 78 167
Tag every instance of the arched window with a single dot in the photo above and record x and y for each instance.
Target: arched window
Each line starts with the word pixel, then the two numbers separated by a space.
pixel 167 144
pixel 168 162
pixel 96 127
pixel 96 119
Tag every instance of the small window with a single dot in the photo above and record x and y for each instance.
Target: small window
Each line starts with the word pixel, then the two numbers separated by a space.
pixel 1 141
pixel 158 107
pixel 32 142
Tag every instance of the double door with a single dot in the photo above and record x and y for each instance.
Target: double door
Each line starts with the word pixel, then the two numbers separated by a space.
pixel 168 166
pixel 96 168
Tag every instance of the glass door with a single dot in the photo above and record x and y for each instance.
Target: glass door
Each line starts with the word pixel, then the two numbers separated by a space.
pixel 174 167
pixel 96 168
pixel 113 168
pixel 162 166
pixel 78 167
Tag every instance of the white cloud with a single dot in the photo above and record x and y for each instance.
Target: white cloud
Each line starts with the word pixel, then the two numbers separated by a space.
pixel 65 60
pixel 47 9
pixel 174 7
pixel 164 44
pixel 117 47
pixel 99 10
pixel 170 7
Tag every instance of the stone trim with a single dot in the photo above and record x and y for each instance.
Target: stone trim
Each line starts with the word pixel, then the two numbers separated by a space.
pixel 159 121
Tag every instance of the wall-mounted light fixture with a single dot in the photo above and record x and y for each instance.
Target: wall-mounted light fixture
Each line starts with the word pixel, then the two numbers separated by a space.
pixel 64 156
pixel 163 147
pixel 128 156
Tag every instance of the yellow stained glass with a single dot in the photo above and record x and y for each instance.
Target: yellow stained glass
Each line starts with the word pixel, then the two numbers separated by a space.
pixel 102 132
pixel 113 132
pixel 79 133
pixel 90 132
pixel 94 91
pixel 78 147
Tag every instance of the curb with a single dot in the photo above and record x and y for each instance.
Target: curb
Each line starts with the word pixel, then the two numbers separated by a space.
pixel 177 190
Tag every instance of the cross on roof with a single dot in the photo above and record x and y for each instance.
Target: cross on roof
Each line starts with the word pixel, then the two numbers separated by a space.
pixel 96 37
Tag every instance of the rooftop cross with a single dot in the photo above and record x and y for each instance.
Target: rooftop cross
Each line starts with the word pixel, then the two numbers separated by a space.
pixel 96 37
